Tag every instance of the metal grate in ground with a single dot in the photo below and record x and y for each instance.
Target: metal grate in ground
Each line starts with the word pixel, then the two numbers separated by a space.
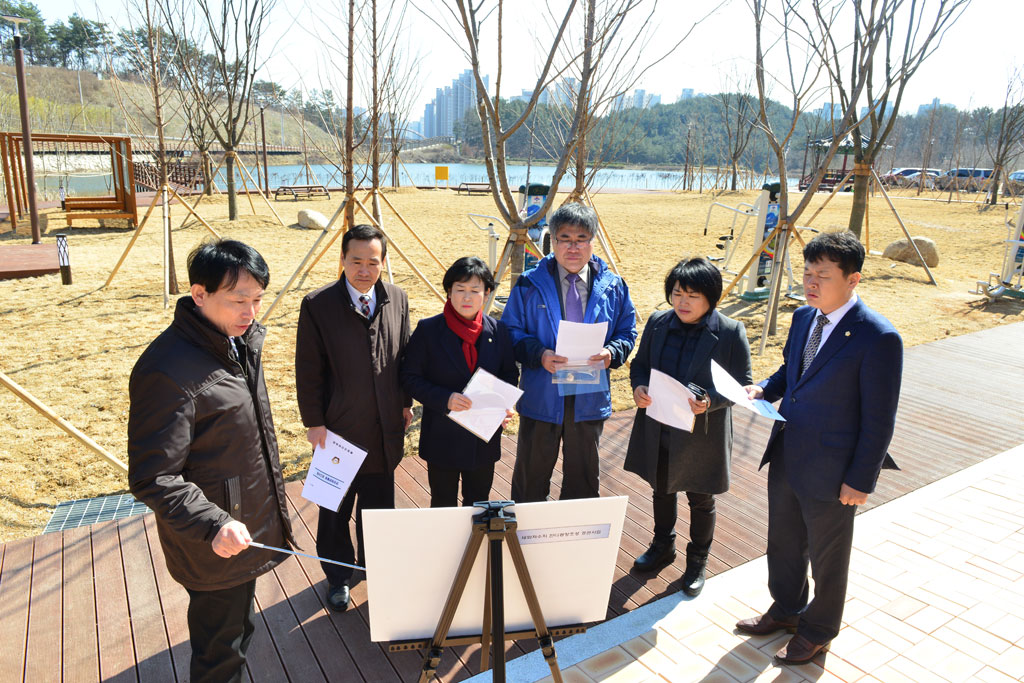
pixel 75 513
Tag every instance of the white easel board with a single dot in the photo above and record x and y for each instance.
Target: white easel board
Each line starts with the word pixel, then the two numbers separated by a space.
pixel 412 556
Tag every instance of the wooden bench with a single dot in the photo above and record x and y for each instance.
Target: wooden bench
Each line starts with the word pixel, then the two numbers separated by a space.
pixel 470 188
pixel 297 192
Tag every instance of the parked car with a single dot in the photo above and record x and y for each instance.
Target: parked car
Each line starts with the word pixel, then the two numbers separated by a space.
pixel 893 177
pixel 889 179
pixel 1014 183
pixel 964 179
pixel 914 179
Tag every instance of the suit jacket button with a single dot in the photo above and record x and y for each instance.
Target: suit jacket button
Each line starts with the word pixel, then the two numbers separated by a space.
pixel 235 506
pixel 792 399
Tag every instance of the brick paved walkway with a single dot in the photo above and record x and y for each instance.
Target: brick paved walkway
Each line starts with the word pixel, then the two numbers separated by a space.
pixel 936 594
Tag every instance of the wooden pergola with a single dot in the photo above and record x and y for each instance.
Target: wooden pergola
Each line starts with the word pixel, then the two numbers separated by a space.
pixel 121 204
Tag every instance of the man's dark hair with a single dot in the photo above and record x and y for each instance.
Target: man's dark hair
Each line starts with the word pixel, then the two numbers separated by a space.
pixel 464 270
pixel 364 233
pixel 842 247
pixel 218 264
pixel 695 275
pixel 574 214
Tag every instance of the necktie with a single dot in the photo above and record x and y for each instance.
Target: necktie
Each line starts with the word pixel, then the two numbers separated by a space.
pixel 813 343
pixel 364 305
pixel 573 302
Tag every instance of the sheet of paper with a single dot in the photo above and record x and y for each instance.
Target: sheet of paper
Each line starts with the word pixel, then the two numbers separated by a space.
pixel 580 341
pixel 491 397
pixel 670 403
pixel 331 470
pixel 728 387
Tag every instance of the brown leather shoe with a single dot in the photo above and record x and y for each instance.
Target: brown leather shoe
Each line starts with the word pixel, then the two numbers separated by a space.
pixel 765 624
pixel 799 650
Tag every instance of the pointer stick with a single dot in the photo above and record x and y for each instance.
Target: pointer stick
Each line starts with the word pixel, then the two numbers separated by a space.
pixel 254 544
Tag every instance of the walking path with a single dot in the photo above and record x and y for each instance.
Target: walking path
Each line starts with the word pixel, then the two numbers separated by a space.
pixel 936 594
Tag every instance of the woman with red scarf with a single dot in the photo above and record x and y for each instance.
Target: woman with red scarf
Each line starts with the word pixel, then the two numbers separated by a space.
pixel 441 356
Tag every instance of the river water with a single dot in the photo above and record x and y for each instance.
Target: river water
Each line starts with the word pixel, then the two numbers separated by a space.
pixel 423 174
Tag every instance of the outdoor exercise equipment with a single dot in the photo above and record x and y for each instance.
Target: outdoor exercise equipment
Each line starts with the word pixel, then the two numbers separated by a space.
pixel 757 285
pixel 1008 282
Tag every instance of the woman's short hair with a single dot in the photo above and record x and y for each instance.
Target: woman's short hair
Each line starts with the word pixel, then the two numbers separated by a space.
pixel 464 270
pixel 695 275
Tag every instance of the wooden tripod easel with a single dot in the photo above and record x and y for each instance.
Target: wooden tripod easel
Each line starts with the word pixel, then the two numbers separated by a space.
pixel 309 258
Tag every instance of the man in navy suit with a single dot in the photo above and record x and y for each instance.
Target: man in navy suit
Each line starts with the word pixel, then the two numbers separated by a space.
pixel 839 384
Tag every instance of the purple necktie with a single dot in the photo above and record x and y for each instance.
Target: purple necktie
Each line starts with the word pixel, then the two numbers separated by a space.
pixel 573 302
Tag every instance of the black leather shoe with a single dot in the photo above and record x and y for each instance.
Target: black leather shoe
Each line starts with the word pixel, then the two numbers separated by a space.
pixel 337 597
pixel 661 554
pixel 764 624
pixel 799 650
pixel 693 577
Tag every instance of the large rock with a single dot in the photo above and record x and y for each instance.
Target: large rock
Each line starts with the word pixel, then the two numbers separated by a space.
pixel 314 220
pixel 902 250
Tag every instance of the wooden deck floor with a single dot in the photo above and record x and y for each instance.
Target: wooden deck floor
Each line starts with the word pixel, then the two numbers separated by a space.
pixel 28 260
pixel 96 603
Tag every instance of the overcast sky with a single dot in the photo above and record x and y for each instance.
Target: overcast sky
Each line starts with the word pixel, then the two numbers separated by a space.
pixel 971 67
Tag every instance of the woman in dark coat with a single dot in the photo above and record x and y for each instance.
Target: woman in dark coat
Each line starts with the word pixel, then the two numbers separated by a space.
pixel 682 342
pixel 440 358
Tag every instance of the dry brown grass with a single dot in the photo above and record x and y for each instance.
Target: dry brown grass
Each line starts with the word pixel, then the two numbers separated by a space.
pixel 73 347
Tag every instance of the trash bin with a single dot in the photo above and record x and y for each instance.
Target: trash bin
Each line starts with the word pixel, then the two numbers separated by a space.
pixel 531 199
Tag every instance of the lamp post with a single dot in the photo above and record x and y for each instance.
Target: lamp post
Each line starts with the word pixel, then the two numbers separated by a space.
pixel 26 137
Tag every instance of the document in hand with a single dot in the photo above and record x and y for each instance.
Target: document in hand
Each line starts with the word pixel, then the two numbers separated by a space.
pixel 670 404
pixel 332 469
pixel 580 341
pixel 491 397
pixel 728 387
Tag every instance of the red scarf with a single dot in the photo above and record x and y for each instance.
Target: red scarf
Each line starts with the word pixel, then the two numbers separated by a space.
pixel 466 330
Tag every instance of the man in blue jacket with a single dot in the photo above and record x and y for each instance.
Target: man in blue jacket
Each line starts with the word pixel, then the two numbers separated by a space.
pixel 569 284
pixel 840 385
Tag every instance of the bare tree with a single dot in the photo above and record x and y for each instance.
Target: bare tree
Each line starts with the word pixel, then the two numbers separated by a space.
pixel 805 33
pixel 203 73
pixel 231 31
pixel 463 23
pixel 911 32
pixel 150 50
pixel 1004 132
pixel 618 55
pixel 738 111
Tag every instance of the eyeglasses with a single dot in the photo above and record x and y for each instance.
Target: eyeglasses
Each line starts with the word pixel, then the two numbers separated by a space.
pixel 574 244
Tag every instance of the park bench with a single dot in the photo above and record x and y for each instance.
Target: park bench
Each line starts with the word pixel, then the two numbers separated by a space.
pixel 297 192
pixel 470 188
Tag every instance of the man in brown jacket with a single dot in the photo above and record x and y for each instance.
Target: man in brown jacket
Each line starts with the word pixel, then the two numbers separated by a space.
pixel 348 346
pixel 203 456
